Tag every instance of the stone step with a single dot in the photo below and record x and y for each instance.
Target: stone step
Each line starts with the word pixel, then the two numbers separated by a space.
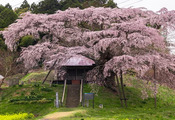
pixel 73 96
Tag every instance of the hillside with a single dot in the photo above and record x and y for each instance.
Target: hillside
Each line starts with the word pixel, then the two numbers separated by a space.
pixel 137 107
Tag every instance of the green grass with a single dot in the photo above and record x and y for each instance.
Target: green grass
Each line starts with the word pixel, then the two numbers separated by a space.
pixel 36 77
pixel 138 109
pixel 38 109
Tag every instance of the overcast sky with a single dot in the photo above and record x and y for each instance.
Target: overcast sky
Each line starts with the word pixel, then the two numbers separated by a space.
pixel 154 5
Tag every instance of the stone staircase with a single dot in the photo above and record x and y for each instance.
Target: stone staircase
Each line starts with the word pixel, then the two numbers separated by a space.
pixel 73 96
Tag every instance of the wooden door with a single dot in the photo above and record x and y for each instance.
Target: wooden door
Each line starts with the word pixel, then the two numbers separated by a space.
pixel 75 82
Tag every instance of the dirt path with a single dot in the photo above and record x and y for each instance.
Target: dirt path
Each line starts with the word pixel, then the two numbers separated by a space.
pixel 57 115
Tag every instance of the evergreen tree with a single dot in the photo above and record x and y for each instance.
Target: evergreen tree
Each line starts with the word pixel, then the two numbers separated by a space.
pixel 7 17
pixel 8 6
pixel 33 7
pixel 23 8
pixel 50 6
pixel 46 6
pixel 25 4
pixel 71 3
pixel 111 4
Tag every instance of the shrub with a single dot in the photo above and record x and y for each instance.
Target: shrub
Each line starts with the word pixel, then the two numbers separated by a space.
pixel 20 116
pixel 2 44
pixel 46 89
pixel 26 41
pixel 29 99
pixel 13 81
pixel 44 100
pixel 35 85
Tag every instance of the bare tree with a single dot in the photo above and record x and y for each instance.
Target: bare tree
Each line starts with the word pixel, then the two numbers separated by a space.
pixel 7 64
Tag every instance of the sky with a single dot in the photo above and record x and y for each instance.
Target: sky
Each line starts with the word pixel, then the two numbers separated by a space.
pixel 153 5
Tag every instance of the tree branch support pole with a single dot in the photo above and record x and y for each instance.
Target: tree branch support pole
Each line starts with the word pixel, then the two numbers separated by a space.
pixel 122 86
pixel 49 72
pixel 119 92
pixel 64 89
pixel 155 89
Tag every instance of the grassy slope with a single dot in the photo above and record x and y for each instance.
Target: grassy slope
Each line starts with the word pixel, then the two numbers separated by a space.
pixel 137 108
pixel 37 109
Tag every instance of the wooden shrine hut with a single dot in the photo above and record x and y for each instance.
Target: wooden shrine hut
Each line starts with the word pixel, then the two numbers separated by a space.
pixel 76 68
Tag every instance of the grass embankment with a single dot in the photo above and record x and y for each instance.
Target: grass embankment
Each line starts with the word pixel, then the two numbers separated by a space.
pixel 138 109
pixel 35 99
pixel 112 110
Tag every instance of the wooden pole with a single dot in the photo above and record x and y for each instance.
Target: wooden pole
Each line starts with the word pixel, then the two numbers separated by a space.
pixel 93 100
pixel 120 96
pixel 49 72
pixel 64 89
pixel 81 90
pixel 155 97
pixel 122 86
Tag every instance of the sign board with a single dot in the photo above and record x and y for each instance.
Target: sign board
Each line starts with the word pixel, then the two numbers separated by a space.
pixel 87 97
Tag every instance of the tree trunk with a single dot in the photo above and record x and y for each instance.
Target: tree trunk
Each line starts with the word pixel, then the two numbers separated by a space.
pixel 111 84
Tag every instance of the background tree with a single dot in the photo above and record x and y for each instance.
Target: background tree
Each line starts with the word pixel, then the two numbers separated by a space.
pixel 46 6
pixel 51 6
pixel 111 4
pixel 8 6
pixel 34 8
pixel 7 64
pixel 23 8
pixel 25 4
pixel 7 17
pixel 70 3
